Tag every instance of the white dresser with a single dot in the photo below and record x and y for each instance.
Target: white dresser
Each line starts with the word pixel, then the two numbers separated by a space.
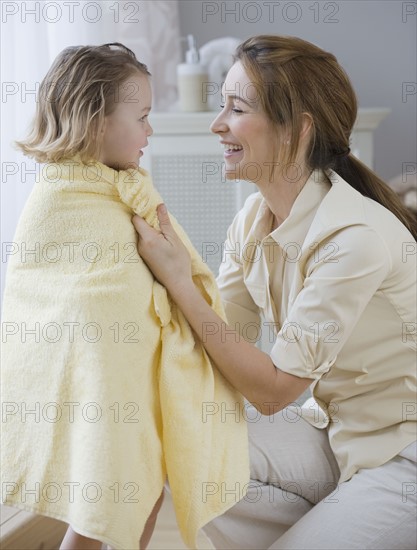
pixel 185 160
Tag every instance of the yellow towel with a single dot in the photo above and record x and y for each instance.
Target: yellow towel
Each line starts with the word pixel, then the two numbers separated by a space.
pixel 105 390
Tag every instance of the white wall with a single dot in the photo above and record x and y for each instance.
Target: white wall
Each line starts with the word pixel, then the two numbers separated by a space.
pixel 375 41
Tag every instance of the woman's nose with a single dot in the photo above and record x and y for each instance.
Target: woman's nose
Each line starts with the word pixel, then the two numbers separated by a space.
pixel 218 125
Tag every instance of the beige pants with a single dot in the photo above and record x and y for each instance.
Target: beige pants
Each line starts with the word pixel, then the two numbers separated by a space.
pixel 294 501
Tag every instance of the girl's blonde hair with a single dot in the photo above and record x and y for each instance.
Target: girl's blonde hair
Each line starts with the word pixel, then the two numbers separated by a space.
pixel 292 77
pixel 79 90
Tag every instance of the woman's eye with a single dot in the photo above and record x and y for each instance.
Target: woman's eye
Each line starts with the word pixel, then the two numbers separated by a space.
pixel 234 110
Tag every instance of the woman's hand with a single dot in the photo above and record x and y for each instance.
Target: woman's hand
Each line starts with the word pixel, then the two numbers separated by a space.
pixel 164 252
pixel 265 386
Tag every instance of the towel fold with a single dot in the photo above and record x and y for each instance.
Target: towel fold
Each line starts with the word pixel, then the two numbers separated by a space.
pixel 105 390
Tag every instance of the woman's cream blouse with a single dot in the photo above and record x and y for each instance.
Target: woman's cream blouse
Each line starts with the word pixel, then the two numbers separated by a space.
pixel 334 287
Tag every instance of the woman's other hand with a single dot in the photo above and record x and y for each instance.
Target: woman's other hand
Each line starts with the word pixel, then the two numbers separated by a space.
pixel 164 252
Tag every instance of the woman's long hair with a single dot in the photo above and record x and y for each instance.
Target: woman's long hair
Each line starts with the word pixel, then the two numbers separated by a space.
pixel 291 77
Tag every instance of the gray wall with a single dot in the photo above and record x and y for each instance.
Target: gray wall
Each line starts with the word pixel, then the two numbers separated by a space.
pixel 375 41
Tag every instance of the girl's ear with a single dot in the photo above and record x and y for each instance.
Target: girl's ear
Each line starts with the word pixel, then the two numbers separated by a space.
pixel 103 127
pixel 99 137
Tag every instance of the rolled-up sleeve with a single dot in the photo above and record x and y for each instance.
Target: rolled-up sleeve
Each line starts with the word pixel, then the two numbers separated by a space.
pixel 342 274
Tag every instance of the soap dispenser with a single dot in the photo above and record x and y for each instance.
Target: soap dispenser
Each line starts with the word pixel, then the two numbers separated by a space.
pixel 192 80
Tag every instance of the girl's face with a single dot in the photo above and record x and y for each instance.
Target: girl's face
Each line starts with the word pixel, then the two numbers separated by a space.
pixel 244 130
pixel 126 129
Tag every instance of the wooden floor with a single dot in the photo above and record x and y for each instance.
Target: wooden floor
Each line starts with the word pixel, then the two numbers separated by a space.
pixel 166 535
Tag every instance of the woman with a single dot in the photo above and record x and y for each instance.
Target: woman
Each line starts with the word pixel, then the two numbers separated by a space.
pixel 326 252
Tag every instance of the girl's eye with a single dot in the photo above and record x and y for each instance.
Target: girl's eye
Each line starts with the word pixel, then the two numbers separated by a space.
pixel 143 119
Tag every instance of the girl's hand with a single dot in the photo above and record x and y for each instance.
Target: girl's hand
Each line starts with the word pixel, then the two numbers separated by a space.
pixel 164 252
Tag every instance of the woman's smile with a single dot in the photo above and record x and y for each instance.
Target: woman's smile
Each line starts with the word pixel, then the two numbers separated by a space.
pixel 232 150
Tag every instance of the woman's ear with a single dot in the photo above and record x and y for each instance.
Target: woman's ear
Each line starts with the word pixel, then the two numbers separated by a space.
pixel 306 125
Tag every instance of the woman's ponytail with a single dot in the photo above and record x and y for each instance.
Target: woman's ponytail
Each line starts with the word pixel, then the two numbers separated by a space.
pixel 364 180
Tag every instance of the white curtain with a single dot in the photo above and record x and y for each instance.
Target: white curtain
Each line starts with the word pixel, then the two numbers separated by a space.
pixel 33 33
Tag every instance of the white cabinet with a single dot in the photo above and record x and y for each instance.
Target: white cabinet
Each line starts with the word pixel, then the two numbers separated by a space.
pixel 185 160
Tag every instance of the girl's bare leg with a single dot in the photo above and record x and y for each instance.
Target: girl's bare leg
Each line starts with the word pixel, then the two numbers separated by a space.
pixel 75 541
pixel 150 524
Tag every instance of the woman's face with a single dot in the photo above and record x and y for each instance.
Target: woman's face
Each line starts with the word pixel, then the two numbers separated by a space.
pixel 126 129
pixel 245 131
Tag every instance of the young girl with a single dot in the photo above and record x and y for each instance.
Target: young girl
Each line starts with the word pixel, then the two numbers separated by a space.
pixel 104 389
